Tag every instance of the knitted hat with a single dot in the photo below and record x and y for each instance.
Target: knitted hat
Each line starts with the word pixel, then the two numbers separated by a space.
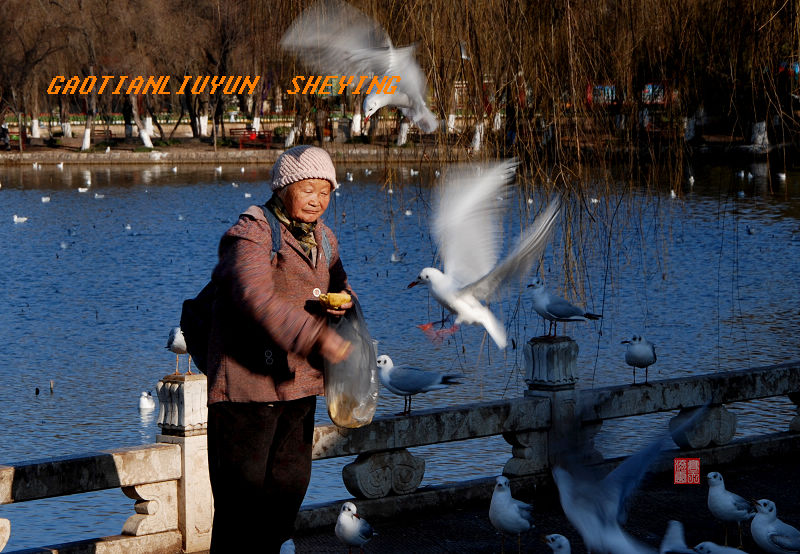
pixel 303 162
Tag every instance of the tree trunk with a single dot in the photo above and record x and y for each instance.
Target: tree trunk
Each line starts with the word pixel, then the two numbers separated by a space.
pixel 142 131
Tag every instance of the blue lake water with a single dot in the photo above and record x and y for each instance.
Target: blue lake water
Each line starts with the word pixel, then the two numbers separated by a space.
pixel 93 281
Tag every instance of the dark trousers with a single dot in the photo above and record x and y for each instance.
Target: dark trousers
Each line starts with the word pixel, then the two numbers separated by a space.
pixel 259 458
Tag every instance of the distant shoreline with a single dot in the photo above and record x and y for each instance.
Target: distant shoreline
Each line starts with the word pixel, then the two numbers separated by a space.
pixel 204 154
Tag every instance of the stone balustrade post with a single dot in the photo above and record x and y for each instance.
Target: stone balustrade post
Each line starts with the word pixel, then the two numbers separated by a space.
pixel 183 418
pixel 551 372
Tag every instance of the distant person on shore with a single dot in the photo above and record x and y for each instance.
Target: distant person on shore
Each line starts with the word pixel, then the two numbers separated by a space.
pixel 269 336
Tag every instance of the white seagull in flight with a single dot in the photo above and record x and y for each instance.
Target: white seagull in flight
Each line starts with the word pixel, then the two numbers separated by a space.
pixel 335 38
pixel 467 229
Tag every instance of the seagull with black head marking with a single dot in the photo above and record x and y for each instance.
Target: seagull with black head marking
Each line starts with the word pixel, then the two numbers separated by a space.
pixel 727 506
pixel 770 533
pixel 334 38
pixel 554 308
pixel 352 529
pixel 408 381
pixel 507 514
pixel 467 228
pixel 177 344
pixel 640 353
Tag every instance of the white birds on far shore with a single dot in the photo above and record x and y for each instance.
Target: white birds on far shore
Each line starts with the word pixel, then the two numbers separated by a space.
pixel 554 308
pixel 640 353
pixel 770 533
pixel 408 381
pixel 351 528
pixel 177 344
pixel 508 515
pixel 727 506
pixel 466 225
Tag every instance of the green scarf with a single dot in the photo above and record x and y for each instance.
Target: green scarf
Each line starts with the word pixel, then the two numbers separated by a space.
pixel 303 232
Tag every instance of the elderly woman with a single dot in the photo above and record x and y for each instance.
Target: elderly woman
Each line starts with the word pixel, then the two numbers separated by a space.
pixel 268 340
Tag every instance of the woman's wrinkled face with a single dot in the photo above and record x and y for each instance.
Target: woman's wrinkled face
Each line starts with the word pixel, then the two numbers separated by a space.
pixel 308 199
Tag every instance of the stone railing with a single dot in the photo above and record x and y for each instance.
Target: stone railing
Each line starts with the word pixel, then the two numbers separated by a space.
pixel 169 480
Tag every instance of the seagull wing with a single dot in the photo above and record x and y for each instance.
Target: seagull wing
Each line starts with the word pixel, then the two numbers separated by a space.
pixel 467 223
pixel 411 380
pixel 335 38
pixel 741 504
pixel 516 265
pixel 785 537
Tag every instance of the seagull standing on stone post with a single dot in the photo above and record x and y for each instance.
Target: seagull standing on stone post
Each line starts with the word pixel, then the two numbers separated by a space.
pixel 554 308
pixel 177 343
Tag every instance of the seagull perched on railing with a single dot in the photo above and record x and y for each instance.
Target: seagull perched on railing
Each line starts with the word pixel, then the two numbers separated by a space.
pixel 467 228
pixel 177 343
pixel 351 529
pixel 639 353
pixel 335 38
pixel 408 381
pixel 554 308
pixel 507 514
pixel 727 506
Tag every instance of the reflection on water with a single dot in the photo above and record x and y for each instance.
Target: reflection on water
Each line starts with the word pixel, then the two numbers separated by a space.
pixel 93 284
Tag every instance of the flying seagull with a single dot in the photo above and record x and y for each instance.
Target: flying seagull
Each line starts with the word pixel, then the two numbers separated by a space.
pixel 467 228
pixel 334 38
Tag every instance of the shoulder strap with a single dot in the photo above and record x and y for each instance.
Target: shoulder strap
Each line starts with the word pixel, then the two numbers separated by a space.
pixel 275 230
pixel 326 246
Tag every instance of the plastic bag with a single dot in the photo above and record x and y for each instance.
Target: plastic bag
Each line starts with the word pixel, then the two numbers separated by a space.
pixel 351 386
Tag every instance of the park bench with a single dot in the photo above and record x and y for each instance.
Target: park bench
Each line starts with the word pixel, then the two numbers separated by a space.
pixel 102 135
pixel 247 137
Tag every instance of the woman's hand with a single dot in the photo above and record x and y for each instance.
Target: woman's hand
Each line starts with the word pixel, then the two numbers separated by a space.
pixel 340 311
pixel 333 347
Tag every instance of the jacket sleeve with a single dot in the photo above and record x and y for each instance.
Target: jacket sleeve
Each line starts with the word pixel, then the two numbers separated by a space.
pixel 246 271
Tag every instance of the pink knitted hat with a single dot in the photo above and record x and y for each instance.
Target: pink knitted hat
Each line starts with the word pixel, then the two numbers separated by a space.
pixel 303 162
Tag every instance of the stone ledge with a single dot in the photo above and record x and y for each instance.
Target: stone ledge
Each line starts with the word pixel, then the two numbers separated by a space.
pixel 168 542
pixel 433 426
pixel 671 394
pixel 122 467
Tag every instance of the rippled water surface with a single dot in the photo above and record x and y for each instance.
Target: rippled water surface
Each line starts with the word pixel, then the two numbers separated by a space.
pixel 93 281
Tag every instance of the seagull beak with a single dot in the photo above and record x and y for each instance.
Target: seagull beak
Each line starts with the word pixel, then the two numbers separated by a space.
pixel 625 342
pixel 413 284
pixel 356 516
pixel 531 285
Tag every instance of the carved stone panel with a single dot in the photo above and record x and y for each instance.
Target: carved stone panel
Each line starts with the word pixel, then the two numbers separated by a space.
pixel 156 508
pixel 717 426
pixel 376 475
